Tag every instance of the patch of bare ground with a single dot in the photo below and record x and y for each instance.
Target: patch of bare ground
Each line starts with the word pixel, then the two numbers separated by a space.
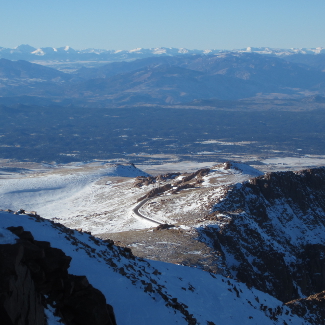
pixel 173 245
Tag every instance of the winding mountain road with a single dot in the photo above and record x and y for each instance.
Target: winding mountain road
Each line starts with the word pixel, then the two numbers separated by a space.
pixel 135 210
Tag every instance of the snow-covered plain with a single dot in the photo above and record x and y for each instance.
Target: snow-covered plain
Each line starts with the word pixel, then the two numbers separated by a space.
pixel 209 298
pixel 295 163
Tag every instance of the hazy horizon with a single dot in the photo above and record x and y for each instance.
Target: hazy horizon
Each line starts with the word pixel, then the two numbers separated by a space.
pixel 164 47
pixel 127 24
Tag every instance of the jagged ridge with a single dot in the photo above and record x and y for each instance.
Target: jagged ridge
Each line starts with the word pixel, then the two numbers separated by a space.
pixel 270 233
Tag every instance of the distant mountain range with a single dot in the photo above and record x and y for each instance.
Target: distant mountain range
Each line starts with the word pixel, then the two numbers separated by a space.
pixel 164 80
pixel 30 53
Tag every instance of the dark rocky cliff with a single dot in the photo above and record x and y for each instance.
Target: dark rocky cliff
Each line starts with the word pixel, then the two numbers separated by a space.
pixel 33 275
pixel 270 233
pixel 312 308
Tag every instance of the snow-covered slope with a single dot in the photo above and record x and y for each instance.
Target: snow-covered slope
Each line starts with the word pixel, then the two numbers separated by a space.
pixel 266 231
pixel 269 232
pixel 187 204
pixel 74 194
pixel 100 198
pixel 146 292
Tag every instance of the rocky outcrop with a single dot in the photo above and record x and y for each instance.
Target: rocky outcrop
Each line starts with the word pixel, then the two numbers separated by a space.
pixel 20 303
pixel 145 181
pixel 269 233
pixel 198 175
pixel 192 180
pixel 155 191
pixel 183 187
pixel 164 226
pixel 312 308
pixel 34 274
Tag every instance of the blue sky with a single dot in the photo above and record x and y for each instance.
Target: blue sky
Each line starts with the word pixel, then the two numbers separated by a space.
pixel 193 24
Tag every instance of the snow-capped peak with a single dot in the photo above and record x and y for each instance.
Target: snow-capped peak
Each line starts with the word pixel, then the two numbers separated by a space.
pixel 39 52
pixel 136 50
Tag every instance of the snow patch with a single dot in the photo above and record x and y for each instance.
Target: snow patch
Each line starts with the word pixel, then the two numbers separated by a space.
pixel 7 237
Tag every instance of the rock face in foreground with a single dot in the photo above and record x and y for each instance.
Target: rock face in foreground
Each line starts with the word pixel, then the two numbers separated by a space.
pixel 19 302
pixel 33 274
pixel 270 233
